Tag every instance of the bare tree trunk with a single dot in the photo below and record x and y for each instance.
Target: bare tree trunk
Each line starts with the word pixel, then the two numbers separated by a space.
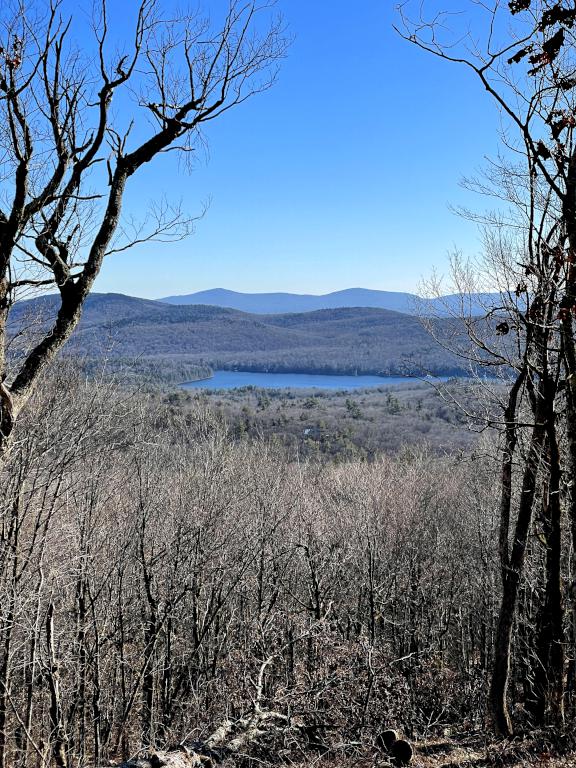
pixel 569 355
pixel 498 695
pixel 58 735
pixel 5 684
pixel 549 675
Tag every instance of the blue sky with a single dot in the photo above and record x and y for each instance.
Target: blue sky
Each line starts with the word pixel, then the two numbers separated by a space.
pixel 340 176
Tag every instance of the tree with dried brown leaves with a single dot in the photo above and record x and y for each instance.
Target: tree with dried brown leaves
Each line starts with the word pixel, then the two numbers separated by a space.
pixel 523 54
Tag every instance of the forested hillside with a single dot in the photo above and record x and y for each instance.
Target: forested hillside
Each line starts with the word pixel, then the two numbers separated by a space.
pixel 176 572
pixel 154 562
pixel 343 340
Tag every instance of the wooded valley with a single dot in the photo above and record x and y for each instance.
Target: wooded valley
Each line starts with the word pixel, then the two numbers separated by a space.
pixel 152 562
pixel 161 572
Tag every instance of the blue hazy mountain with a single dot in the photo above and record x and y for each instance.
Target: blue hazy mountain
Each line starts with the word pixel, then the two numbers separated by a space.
pixel 283 303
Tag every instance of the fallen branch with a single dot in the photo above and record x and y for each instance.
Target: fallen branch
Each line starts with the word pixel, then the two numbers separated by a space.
pixel 231 737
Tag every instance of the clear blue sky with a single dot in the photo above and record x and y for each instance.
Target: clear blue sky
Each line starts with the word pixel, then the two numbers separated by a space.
pixel 340 176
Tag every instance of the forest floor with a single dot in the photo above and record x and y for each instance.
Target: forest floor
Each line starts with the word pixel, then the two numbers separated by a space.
pixel 474 752
pixel 467 752
pixel 470 751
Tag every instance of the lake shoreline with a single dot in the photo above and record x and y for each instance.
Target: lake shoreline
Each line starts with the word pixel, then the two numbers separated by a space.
pixel 223 379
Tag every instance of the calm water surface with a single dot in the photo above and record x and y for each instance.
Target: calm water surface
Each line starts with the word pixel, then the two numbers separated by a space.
pixel 236 379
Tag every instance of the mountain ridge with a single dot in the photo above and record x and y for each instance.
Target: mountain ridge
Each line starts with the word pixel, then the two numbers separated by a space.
pixel 342 339
pixel 284 302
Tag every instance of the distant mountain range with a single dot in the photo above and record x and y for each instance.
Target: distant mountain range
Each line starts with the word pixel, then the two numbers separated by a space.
pixel 279 303
pixel 339 340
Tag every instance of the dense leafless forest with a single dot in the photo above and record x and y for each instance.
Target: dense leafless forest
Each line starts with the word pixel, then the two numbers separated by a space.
pixel 161 572
pixel 152 562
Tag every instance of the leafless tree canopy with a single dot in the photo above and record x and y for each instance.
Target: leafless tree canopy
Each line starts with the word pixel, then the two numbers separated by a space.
pixel 81 112
pixel 162 583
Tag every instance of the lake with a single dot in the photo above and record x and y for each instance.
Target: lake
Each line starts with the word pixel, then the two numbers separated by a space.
pixel 237 379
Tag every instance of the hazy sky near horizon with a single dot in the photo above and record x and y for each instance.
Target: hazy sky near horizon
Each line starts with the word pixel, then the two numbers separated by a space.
pixel 342 175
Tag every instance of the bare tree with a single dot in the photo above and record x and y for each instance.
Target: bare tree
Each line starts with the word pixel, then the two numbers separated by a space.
pixel 68 156
pixel 522 52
